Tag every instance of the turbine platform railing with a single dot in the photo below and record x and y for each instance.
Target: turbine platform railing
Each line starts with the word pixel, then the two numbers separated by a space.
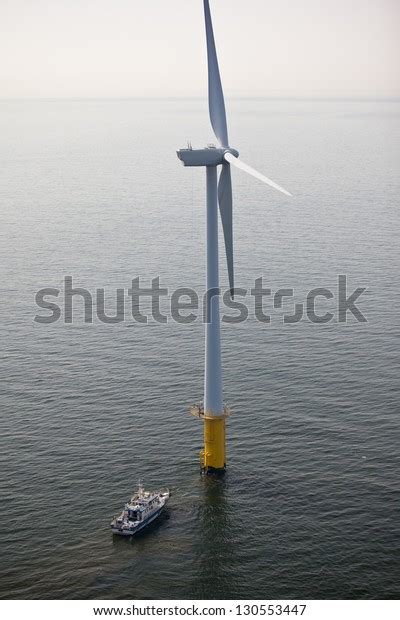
pixel 197 411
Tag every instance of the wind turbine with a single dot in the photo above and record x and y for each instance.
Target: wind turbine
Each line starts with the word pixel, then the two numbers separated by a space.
pixel 213 411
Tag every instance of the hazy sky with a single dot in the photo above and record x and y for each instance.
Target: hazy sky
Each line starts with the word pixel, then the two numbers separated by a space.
pixel 141 48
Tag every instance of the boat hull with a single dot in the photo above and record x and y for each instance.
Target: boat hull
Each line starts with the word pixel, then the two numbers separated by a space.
pixel 137 528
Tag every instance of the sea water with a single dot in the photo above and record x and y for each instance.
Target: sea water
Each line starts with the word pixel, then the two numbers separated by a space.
pixel 310 505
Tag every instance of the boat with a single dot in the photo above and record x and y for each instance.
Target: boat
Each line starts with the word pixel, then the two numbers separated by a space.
pixel 143 508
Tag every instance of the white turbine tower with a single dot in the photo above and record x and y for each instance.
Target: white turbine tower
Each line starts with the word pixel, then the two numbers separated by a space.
pixel 214 412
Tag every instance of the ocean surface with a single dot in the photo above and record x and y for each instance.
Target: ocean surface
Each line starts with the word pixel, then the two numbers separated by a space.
pixel 310 503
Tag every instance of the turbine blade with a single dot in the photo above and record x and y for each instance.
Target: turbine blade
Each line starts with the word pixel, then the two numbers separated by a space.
pixel 235 161
pixel 216 103
pixel 225 209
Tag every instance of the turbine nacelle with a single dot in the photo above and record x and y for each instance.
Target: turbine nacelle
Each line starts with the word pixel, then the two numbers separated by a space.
pixel 209 156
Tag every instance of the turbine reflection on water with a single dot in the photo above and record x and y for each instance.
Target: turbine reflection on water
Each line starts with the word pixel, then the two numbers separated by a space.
pixel 215 550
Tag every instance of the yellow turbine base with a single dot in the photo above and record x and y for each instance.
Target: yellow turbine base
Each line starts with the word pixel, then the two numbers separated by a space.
pixel 213 457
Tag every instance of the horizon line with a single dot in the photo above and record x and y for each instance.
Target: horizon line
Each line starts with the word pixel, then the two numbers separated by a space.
pixel 202 98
